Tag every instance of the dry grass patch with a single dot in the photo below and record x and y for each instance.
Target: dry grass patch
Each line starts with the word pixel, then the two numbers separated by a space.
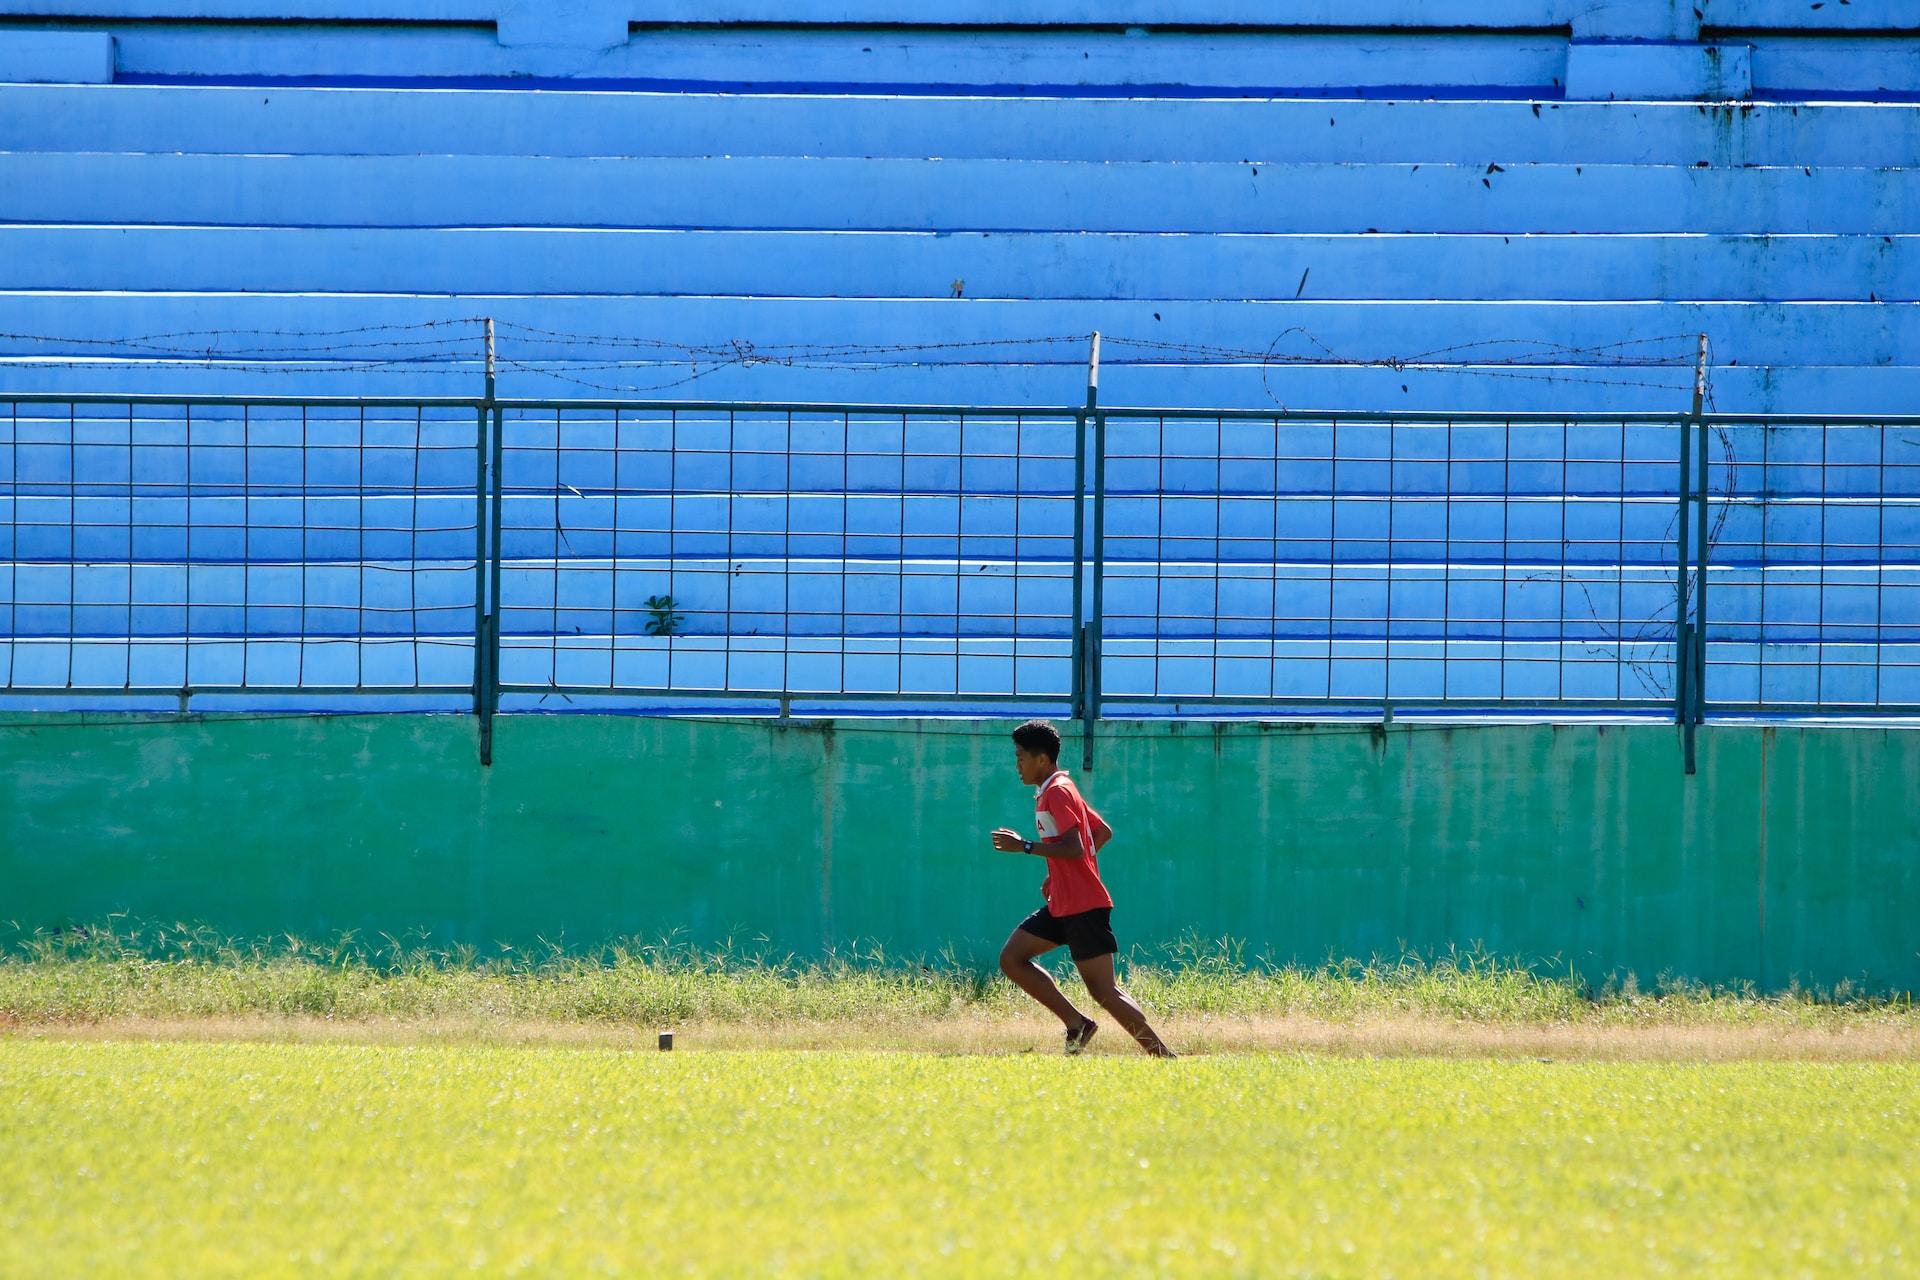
pixel 1401 1037
pixel 126 981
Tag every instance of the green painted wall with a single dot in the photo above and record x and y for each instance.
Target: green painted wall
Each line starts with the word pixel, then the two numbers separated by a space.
pixel 1792 854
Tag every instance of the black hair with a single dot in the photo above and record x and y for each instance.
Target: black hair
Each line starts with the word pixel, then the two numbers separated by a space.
pixel 1039 737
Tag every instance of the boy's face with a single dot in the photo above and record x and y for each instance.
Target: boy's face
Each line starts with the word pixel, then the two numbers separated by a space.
pixel 1035 768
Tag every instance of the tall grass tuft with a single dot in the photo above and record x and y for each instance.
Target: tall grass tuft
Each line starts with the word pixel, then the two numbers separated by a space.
pixel 124 968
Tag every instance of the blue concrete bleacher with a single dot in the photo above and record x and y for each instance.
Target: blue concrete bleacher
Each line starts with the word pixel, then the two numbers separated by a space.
pixel 1434 209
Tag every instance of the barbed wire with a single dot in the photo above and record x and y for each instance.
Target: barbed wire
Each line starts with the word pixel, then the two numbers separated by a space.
pixel 174 344
pixel 1484 352
pixel 237 366
pixel 354 350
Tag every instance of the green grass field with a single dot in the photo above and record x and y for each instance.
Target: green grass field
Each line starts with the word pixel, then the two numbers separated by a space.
pixel 261 1160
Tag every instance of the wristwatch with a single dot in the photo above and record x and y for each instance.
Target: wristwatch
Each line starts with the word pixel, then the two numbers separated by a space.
pixel 1026 846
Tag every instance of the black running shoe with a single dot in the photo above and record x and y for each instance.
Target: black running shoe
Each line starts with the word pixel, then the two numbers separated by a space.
pixel 1081 1038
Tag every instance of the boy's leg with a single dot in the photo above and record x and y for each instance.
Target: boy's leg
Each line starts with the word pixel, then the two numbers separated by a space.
pixel 1017 962
pixel 1098 974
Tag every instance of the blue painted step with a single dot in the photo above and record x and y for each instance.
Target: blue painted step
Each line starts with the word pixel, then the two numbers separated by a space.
pixel 842 57
pixel 973 265
pixel 288 120
pixel 955 195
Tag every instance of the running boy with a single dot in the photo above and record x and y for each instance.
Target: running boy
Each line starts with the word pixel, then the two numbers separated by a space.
pixel 1078 906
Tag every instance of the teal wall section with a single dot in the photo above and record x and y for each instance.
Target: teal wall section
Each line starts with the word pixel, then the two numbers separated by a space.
pixel 1791 855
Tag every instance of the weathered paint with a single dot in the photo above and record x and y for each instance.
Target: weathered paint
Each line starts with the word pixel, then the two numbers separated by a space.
pixel 1790 856
pixel 1402 252
pixel 1298 46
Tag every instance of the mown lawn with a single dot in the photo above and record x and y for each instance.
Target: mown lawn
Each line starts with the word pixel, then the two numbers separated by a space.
pixel 223 1160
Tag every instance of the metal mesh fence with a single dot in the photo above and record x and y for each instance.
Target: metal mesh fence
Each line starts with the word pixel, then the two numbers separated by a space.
pixel 838 554
pixel 1308 560
pixel 237 547
pixel 1814 572
pixel 657 555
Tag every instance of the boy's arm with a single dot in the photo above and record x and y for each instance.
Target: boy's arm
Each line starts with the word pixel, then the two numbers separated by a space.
pixel 1061 846
pixel 1101 831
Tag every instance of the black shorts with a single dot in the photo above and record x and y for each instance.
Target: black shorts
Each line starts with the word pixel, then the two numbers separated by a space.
pixel 1087 935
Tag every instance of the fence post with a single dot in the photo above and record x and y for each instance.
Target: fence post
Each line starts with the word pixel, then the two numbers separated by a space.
pixel 1076 704
pixel 1689 653
pixel 1682 658
pixel 1703 545
pixel 1090 647
pixel 486 640
pixel 480 561
pixel 496 611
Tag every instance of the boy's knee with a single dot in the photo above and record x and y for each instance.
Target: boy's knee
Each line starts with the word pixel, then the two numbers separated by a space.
pixel 1103 993
pixel 1010 959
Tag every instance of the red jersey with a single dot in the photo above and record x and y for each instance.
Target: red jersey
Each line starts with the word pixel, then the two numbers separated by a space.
pixel 1072 884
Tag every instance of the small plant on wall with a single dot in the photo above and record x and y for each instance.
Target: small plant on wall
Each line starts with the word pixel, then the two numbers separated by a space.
pixel 662 619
